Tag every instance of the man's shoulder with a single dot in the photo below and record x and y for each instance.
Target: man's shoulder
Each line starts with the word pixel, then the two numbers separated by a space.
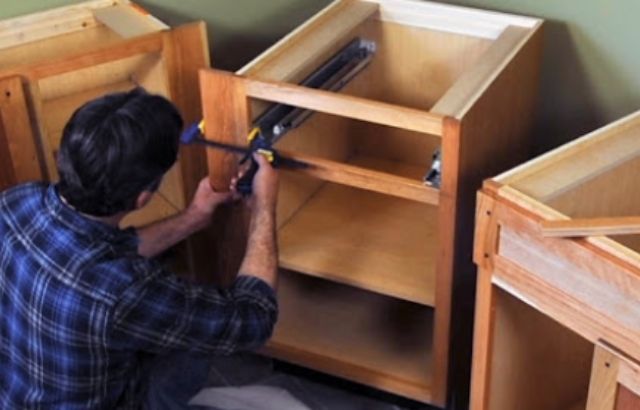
pixel 23 192
pixel 30 194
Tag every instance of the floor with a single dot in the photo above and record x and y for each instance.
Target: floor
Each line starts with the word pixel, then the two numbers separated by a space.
pixel 252 382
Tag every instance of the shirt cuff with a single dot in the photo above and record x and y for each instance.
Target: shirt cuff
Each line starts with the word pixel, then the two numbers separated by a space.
pixel 255 287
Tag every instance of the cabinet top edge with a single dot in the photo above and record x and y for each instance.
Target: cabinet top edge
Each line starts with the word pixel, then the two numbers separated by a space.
pixel 565 153
pixel 451 18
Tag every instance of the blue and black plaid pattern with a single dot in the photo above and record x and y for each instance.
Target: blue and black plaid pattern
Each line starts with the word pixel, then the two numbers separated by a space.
pixel 78 306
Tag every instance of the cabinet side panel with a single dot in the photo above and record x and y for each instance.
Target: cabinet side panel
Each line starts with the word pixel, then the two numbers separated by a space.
pixel 7 176
pixel 494 137
pixel 19 143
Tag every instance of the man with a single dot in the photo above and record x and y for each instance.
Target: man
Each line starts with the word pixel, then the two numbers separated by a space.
pixel 81 302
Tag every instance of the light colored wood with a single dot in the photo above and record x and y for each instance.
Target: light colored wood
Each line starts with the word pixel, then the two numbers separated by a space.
pixel 323 136
pixel 48 49
pixel 51 23
pixel 127 48
pixel 364 239
pixel 129 20
pixel 486 233
pixel 438 60
pixel 301 51
pixel 388 122
pixel 500 114
pixel 591 226
pixel 446 262
pixel 315 316
pixel 609 194
pixel 346 106
pixel 466 90
pixel 536 363
pixel 483 341
pixel 587 296
pixel 20 151
pixel 615 380
pixel 577 162
pixel 604 381
pixel 367 179
pixel 454 19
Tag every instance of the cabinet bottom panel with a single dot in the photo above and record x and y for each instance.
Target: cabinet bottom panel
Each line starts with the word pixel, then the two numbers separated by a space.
pixel 367 338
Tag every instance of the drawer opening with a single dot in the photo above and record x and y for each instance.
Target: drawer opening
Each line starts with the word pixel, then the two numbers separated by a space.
pixel 417 60
pixel 381 158
pixel 377 242
pixel 536 362
pixel 354 334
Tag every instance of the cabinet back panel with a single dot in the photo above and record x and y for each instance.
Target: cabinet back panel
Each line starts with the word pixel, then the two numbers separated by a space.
pixel 537 364
pixel 613 193
pixel 413 66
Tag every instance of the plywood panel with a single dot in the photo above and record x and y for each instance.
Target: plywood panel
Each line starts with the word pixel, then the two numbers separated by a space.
pixel 20 151
pixel 369 240
pixel 537 363
pixel 612 193
pixel 55 47
pixel 436 59
pixel 354 334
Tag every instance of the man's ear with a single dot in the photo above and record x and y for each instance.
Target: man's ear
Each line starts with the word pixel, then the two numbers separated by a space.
pixel 143 198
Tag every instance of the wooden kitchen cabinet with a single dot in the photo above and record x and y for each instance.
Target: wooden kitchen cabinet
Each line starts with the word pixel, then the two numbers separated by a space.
pixel 376 271
pixel 54 61
pixel 557 319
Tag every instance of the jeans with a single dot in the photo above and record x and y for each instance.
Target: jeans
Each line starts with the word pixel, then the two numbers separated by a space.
pixel 169 381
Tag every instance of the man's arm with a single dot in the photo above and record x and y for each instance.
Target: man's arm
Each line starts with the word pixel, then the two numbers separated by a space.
pixel 261 257
pixel 160 236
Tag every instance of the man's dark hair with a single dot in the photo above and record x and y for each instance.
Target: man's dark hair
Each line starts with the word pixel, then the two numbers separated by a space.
pixel 115 147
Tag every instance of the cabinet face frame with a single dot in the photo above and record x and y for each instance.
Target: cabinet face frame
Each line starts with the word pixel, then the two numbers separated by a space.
pixel 615 380
pixel 590 285
pixel 483 119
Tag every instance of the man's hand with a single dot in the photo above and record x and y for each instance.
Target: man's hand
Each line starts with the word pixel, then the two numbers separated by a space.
pixel 159 236
pixel 265 184
pixel 205 201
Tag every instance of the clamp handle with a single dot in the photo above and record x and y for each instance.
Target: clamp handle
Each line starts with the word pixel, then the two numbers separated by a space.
pixel 245 184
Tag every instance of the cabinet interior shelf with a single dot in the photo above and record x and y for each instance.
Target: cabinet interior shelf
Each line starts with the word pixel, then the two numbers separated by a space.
pixel 365 239
pixel 359 335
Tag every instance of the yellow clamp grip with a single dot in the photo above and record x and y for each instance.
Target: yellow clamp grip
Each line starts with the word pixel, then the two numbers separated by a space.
pixel 201 126
pixel 253 134
pixel 266 153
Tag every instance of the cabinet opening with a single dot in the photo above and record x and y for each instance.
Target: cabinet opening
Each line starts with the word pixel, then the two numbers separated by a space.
pixel 537 363
pixel 373 241
pixel 413 66
pixel 354 334
pixel 611 193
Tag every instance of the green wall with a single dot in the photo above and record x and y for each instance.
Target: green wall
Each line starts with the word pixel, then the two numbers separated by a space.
pixel 591 67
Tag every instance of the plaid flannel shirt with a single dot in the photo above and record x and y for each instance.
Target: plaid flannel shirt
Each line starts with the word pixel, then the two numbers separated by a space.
pixel 78 306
